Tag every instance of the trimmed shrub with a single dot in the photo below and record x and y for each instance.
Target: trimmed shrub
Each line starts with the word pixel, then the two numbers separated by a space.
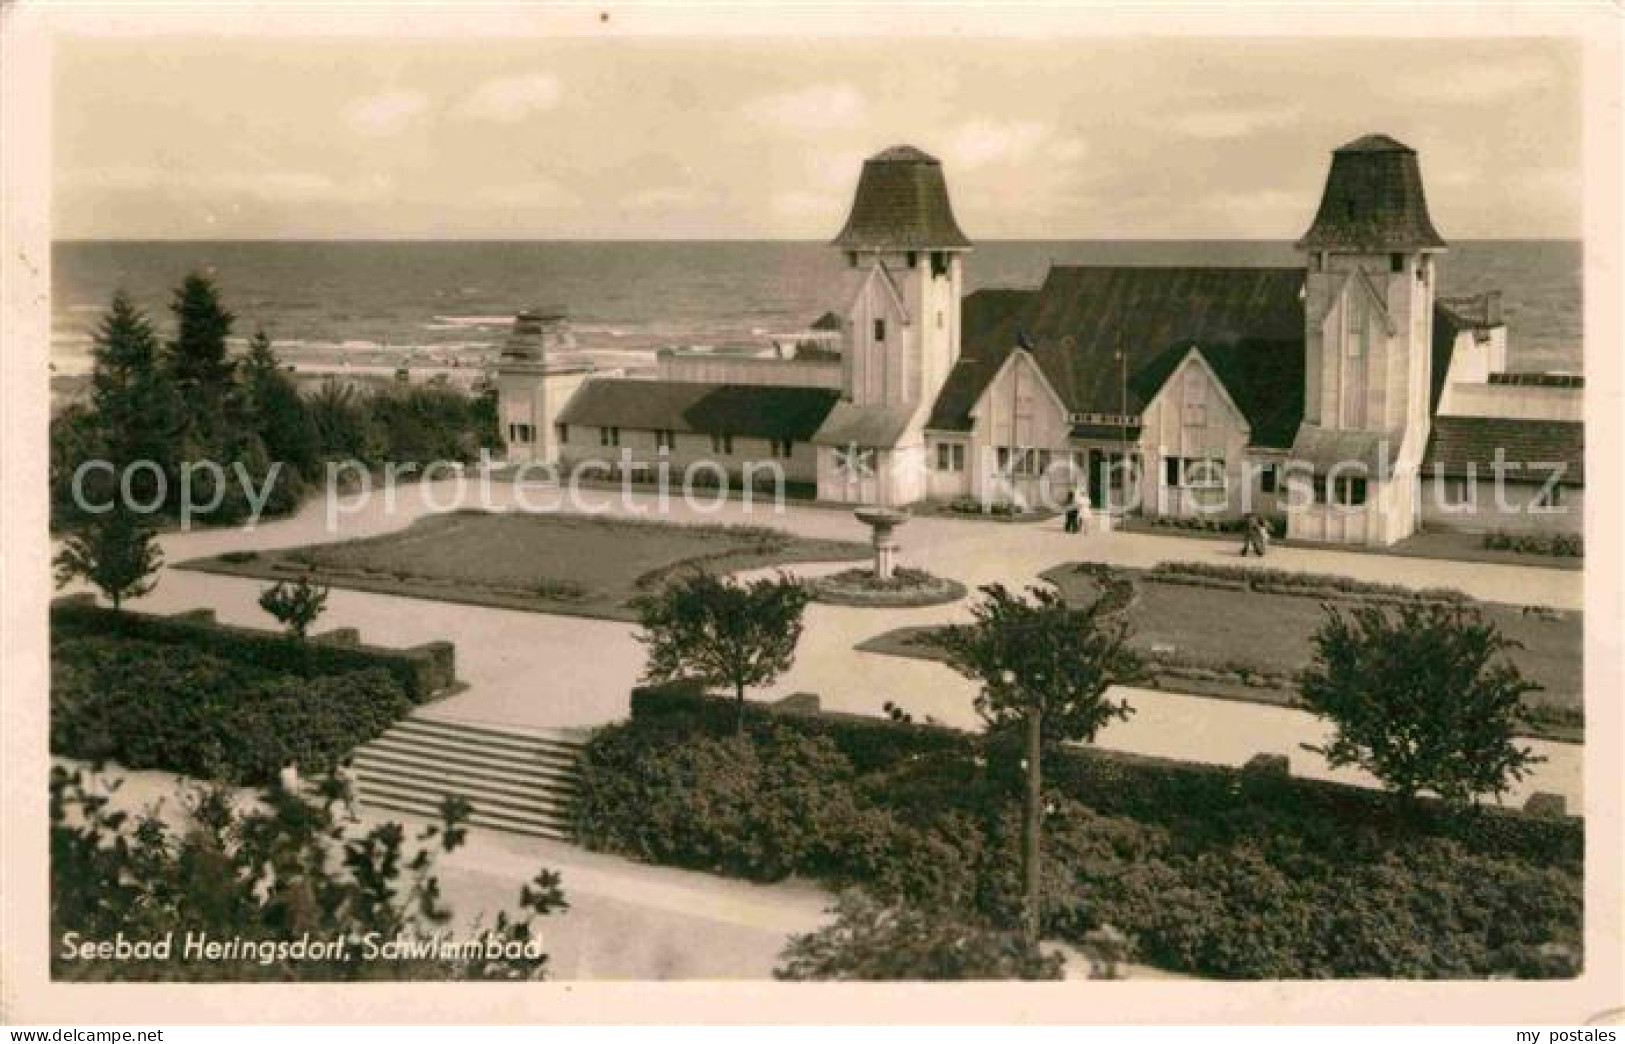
pixel 1207 869
pixel 149 705
pixel 421 672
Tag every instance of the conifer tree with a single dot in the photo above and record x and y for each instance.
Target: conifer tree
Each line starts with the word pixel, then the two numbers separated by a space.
pixel 197 359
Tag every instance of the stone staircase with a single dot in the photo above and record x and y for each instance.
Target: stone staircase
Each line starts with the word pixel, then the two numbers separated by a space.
pixel 519 780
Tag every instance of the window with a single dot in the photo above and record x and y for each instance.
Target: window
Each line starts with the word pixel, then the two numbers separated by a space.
pixel 1350 490
pixel 782 448
pixel 1193 472
pixel 1269 478
pixel 939 262
pixel 723 444
pixel 1195 399
pixel 913 259
pixel 1354 343
pixel 1396 262
pixel 522 434
pixel 563 432
pixel 665 439
pixel 1319 485
pixel 1196 415
pixel 1317 262
pixel 950 456
pixel 852 258
pixel 880 331
pixel 609 436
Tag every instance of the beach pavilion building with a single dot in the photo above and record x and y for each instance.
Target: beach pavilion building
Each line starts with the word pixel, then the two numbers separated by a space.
pixel 1342 394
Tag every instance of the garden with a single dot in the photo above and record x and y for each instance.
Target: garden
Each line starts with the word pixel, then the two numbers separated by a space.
pixel 1206 870
pixel 580 565
pixel 219 703
pixel 1245 633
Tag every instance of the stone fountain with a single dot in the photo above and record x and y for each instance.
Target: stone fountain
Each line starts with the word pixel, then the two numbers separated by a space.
pixel 883 523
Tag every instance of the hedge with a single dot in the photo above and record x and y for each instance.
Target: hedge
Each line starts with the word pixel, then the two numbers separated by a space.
pixel 422 672
pixel 1217 871
pixel 183 709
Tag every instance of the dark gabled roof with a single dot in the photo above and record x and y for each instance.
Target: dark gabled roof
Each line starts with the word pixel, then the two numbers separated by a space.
pixel 757 411
pixel 988 327
pixel 827 322
pixel 1457 442
pixel 1373 202
pixel 1247 323
pixel 879 427
pixel 901 204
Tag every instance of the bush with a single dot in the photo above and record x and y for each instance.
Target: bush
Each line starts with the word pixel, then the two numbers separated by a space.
pixel 1207 869
pixel 1562 545
pixel 421 672
pixel 149 705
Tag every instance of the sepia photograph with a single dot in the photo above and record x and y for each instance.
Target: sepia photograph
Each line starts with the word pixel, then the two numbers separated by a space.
pixel 578 498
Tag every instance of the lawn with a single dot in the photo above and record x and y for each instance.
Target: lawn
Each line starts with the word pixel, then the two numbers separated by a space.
pixel 1249 645
pixel 575 564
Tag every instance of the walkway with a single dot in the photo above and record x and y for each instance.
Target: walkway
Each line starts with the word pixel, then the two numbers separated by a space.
pixel 541 670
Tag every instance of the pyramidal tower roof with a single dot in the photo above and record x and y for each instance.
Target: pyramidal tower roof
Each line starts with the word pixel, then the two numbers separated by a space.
pixel 902 204
pixel 1373 202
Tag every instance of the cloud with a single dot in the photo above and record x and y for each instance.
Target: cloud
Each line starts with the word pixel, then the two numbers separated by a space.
pixel 1225 124
pixel 386 114
pixel 264 186
pixel 824 106
pixel 798 205
pixel 509 99
pixel 988 143
pixel 534 193
pixel 1481 81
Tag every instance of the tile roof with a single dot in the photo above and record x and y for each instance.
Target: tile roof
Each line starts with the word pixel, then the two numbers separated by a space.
pixel 902 204
pixel 1373 202
pixel 1457 442
pixel 1329 449
pixel 988 328
pixel 1247 322
pixel 876 426
pixel 758 411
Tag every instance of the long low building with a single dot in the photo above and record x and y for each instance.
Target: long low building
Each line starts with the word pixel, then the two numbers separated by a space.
pixel 1342 395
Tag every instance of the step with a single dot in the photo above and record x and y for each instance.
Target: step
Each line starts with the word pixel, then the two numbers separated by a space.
pixel 415 781
pixel 515 786
pixel 425 777
pixel 527 828
pixel 409 749
pixel 493 735
pixel 475 745
pixel 430 803
pixel 433 796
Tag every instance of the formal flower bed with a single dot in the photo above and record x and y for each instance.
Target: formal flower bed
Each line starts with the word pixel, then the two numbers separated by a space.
pixel 906 588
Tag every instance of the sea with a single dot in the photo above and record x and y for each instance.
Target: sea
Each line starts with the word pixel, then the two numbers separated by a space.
pixel 451 303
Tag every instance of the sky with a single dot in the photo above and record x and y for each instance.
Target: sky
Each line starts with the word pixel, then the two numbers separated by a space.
pixel 458 138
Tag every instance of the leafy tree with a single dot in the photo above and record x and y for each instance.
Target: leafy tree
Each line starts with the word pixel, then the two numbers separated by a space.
pixel 295 605
pixel 1044 667
pixel 722 631
pixel 113 551
pixel 872 941
pixel 197 358
pixel 269 874
pixel 1421 699
pixel 274 409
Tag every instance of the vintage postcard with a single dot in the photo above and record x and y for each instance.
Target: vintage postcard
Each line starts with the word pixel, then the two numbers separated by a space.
pixel 904 513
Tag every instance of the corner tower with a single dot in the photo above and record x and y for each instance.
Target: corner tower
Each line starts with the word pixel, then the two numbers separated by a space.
pixel 907 251
pixel 534 383
pixel 1370 280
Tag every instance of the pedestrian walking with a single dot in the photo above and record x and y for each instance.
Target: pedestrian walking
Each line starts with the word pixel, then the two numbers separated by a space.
pixel 1249 537
pixel 1073 513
